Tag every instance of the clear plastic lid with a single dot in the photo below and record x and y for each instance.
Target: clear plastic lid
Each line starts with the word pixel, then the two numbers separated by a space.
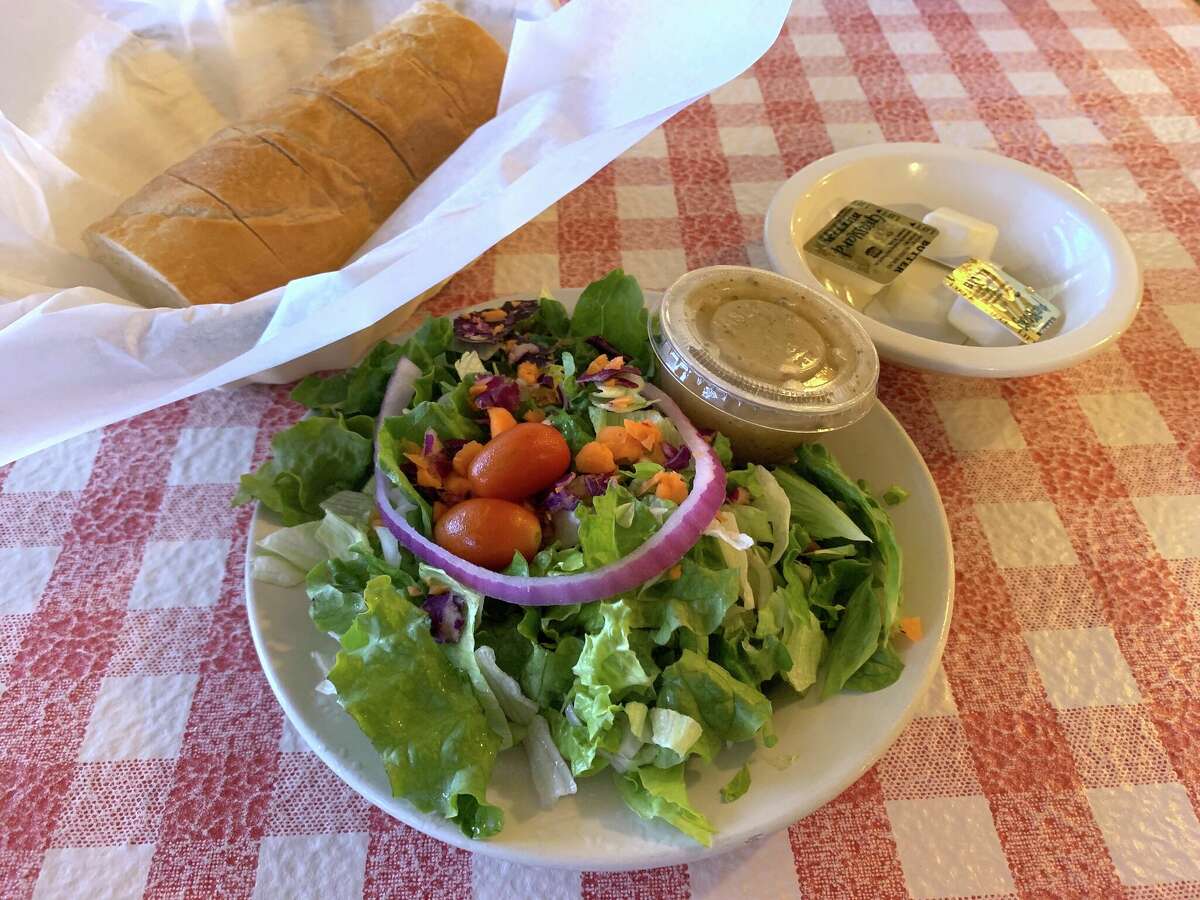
pixel 766 350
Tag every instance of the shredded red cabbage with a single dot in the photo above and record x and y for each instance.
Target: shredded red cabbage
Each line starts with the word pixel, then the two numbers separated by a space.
pixel 498 391
pixel 605 374
pixel 595 485
pixel 475 328
pixel 447 615
pixel 677 457
pixel 561 496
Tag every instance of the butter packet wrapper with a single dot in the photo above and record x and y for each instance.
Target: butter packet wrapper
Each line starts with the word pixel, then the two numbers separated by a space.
pixel 870 240
pixel 1014 305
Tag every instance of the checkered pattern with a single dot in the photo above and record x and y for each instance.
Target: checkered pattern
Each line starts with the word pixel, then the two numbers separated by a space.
pixel 1058 753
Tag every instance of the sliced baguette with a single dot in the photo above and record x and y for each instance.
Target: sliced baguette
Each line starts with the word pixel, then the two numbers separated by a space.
pixel 297 189
pixel 318 132
pixel 189 248
pixel 276 199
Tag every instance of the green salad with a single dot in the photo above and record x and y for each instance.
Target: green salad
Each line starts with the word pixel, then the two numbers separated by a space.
pixel 526 448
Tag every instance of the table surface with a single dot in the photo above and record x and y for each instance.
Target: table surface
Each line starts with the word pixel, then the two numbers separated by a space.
pixel 1059 750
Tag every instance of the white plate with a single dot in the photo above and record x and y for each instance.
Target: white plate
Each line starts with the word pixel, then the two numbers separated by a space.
pixel 833 743
pixel 1052 237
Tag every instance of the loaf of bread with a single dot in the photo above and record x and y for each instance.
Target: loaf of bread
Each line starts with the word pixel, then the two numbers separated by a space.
pixel 301 186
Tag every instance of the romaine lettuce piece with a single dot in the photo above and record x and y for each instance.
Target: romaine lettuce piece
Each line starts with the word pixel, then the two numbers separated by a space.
pixel 655 793
pixel 418 710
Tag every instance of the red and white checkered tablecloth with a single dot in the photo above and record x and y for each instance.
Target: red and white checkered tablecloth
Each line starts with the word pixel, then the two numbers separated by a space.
pixel 1058 753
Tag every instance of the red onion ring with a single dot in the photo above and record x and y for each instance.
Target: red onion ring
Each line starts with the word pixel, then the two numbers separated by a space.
pixel 662 550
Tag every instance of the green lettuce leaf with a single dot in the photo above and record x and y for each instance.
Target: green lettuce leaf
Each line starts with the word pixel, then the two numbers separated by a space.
pixel 613 308
pixel 416 509
pixel 726 708
pixel 737 785
pixel 575 428
pixel 418 710
pixel 310 462
pixel 786 615
pixel 655 793
pixel 547 675
pixel 361 389
pixel 551 319
pixel 776 503
pixel 854 641
pixel 616 524
pixel 878 672
pixel 698 599
pixel 815 463
pixel 443 415
pixel 813 511
pixel 462 652
pixel 336 586
pixel 608 661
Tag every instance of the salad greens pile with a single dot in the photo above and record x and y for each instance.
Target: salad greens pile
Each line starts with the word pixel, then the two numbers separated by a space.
pixel 795 586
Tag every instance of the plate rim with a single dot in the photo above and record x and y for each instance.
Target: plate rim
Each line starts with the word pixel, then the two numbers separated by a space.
pixel 729 839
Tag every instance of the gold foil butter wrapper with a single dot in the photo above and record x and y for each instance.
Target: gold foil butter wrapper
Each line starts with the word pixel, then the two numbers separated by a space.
pixel 870 240
pixel 1015 305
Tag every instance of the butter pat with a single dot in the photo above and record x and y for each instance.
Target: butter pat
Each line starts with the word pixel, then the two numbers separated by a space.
pixel 979 326
pixel 843 281
pixel 918 302
pixel 959 237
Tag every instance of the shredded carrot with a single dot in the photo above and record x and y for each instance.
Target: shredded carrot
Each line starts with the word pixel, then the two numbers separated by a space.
pixel 624 447
pixel 493 315
pixel 616 363
pixel 500 420
pixel 911 628
pixel 438 588
pixel 528 372
pixel 465 456
pixel 600 362
pixel 676 573
pixel 476 389
pixel 534 415
pixel 621 403
pixel 667 485
pixel 413 590
pixel 671 487
pixel 457 484
pixel 428 478
pixel 595 458
pixel 646 433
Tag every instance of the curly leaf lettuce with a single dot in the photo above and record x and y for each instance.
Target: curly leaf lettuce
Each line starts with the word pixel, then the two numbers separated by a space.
pixel 311 461
pixel 655 793
pixel 419 711
pixel 361 389
pixel 727 709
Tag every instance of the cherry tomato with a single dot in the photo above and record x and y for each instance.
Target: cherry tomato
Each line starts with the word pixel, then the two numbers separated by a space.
pixel 520 462
pixel 487 531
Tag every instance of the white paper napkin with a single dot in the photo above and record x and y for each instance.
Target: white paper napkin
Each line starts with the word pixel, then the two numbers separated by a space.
pixel 127 88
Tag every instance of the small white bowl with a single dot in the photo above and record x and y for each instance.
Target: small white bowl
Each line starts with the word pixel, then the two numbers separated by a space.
pixel 1052 237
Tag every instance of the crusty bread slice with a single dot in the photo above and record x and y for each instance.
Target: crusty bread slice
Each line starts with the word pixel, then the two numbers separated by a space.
pixel 189 248
pixel 463 60
pixel 276 199
pixel 297 189
pixel 335 146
